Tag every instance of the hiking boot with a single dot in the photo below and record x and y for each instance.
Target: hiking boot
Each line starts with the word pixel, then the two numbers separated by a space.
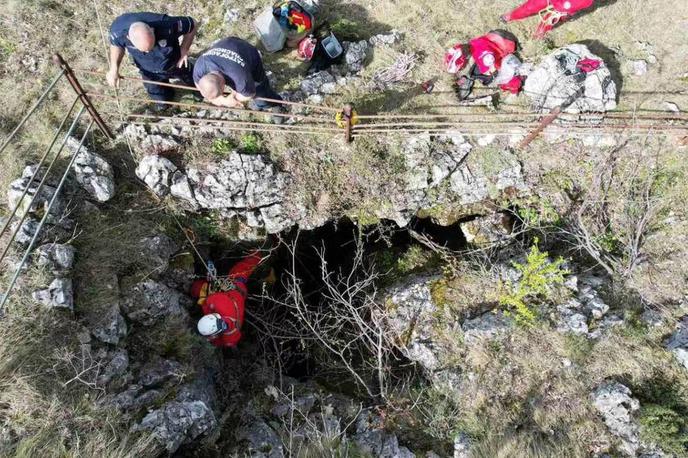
pixel 464 87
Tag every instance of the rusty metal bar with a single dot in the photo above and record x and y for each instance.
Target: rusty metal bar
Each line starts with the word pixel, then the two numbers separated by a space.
pixel 268 128
pixel 237 123
pixel 32 110
pixel 348 112
pixel 193 88
pixel 71 77
pixel 210 107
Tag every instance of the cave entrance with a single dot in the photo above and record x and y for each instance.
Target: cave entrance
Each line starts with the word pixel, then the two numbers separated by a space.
pixel 305 256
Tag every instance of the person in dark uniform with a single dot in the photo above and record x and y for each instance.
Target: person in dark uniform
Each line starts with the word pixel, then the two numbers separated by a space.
pixel 152 41
pixel 235 63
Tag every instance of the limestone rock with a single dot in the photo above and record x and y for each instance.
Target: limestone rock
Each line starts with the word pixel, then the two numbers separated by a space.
pixel 159 372
pixel 178 423
pixel 678 342
pixel 41 197
pixel 487 326
pixel 355 55
pixel 313 84
pixel 557 81
pixel 93 172
pixel 261 438
pixel 462 446
pixel 150 301
pixel 156 172
pixel 373 440
pixel 115 367
pixel 385 39
pixel 111 328
pixel 638 67
pixel 157 250
pixel 615 403
pixel 58 295
pixel 57 257
pixel 487 230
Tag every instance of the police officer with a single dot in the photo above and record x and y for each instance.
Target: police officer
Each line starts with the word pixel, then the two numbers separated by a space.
pixel 237 64
pixel 153 44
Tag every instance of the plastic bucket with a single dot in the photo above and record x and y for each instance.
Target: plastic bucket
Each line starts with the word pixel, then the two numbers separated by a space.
pixel 269 32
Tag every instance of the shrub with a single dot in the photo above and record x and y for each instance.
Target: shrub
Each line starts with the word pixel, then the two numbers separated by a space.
pixel 251 144
pixel 222 146
pixel 665 427
pixel 538 276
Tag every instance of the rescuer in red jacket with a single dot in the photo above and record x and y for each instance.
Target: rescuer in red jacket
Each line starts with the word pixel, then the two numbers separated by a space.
pixel 493 62
pixel 552 12
pixel 223 309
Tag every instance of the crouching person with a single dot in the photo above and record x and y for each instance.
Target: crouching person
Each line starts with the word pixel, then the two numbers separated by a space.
pixel 222 303
pixel 494 62
pixel 237 64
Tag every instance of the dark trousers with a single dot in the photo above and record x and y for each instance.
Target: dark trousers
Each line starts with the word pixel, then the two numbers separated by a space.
pixel 263 89
pixel 164 93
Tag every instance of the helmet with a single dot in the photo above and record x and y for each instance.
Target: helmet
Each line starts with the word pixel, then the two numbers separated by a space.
pixel 455 59
pixel 211 325
pixel 306 48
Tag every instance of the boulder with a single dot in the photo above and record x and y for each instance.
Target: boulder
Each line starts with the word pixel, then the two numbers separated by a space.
pixel 58 258
pixel 156 172
pixel 678 342
pixel 27 231
pixel 157 250
pixel 59 294
pixel 115 365
pixel 159 144
pixel 41 197
pixel 487 326
pixel 149 301
pixel 488 230
pixel 159 372
pixel 372 439
pixel 385 39
pixel 93 172
pixel 111 328
pixel 355 55
pixel 261 438
pixel 132 399
pixel 557 82
pixel 177 423
pixel 314 83
pixel 615 403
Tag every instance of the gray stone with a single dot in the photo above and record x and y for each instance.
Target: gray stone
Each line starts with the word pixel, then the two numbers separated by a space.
pixel 56 257
pixel 261 438
pixel 156 251
pixel 149 301
pixel 313 84
pixel 232 15
pixel 572 321
pixel 615 403
pixel 133 399
pixel 93 172
pixel 637 67
pixel 672 107
pixel 178 423
pixel 487 326
pixel 111 328
pixel 41 197
pixel 58 295
pixel 556 82
pixel 373 440
pixel 462 446
pixel 115 367
pixel 159 372
pixel 27 231
pixel 156 172
pixel 488 230
pixel 355 55
pixel 302 404
pixel 159 144
pixel 181 188
pixel 387 39
pixel 677 343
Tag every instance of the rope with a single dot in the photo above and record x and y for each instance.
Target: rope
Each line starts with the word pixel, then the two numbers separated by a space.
pixel 241 129
pixel 237 123
pixel 193 246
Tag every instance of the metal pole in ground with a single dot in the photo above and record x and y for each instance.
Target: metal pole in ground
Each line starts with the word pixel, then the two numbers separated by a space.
pixel 348 117
pixel 71 77
pixel 38 168
pixel 31 111
pixel 549 119
pixel 40 185
pixel 6 296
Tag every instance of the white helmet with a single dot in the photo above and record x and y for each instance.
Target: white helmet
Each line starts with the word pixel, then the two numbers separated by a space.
pixel 211 325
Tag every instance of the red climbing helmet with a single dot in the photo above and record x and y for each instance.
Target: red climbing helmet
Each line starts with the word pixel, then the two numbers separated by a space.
pixel 455 59
pixel 306 48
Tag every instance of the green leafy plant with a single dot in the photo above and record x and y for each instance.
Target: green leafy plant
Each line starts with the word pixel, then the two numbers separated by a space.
pixel 251 144
pixel 222 146
pixel 346 30
pixel 538 276
pixel 665 427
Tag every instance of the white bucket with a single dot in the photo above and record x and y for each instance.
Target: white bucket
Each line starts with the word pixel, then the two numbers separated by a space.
pixel 269 31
